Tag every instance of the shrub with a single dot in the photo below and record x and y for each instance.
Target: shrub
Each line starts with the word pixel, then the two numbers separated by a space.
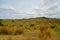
pixel 1 24
pixel 32 25
pixel 53 26
pixel 12 20
pixel 0 19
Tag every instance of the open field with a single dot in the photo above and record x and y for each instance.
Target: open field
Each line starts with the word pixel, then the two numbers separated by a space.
pixel 30 29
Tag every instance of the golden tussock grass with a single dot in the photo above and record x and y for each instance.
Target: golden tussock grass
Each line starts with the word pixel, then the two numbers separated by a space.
pixel 11 30
pixel 45 33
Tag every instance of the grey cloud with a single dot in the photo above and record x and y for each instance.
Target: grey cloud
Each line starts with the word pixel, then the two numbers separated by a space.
pixel 49 8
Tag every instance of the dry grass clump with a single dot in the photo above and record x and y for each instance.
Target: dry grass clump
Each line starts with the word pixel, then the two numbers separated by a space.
pixel 45 33
pixel 11 30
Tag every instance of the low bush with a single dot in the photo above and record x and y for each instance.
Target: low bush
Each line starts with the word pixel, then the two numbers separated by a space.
pixel 1 24
pixel 32 25
pixel 53 26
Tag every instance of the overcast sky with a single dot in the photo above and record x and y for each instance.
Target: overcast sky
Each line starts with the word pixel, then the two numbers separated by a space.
pixel 11 9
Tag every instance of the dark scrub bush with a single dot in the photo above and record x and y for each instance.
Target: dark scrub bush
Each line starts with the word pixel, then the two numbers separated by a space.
pixel 1 20
pixel 32 25
pixel 1 24
pixel 13 21
pixel 53 26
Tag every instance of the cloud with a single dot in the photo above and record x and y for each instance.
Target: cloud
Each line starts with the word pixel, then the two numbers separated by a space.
pixel 8 11
pixel 5 6
pixel 8 8
pixel 49 8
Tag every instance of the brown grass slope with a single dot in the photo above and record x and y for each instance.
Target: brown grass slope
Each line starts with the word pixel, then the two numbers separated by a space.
pixel 41 28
